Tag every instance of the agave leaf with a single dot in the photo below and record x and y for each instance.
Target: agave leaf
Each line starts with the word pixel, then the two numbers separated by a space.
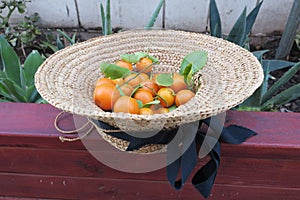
pixel 255 99
pixel 259 54
pixel 41 100
pixel 237 34
pixel 10 61
pixel 30 92
pixel 59 44
pixel 103 19
pixel 155 15
pixel 5 100
pixel 108 21
pixel 284 79
pixel 277 64
pixel 2 74
pixel 74 38
pixel 252 17
pixel 65 36
pixel 5 93
pixel 282 98
pixel 51 46
pixel 31 64
pixel 34 95
pixel 214 20
pixel 14 90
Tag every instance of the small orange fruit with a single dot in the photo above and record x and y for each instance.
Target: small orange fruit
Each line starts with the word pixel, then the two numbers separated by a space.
pixel 144 76
pixel 162 110
pixel 166 97
pixel 150 86
pixel 143 95
pixel 144 65
pixel 124 64
pixel 118 81
pixel 146 111
pixel 126 104
pixel 177 75
pixel 101 81
pixel 126 89
pixel 105 96
pixel 133 80
pixel 178 84
pixel 183 96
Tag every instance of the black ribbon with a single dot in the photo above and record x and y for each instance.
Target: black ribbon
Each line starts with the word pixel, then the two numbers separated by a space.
pixel 182 149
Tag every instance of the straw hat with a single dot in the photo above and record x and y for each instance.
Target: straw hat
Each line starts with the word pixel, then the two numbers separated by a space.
pixel 67 78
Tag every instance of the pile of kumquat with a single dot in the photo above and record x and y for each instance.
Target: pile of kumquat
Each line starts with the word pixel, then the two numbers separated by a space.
pixel 130 87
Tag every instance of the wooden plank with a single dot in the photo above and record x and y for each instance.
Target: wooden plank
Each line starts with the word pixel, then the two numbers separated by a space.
pixel 41 133
pixel 264 167
pixel 233 170
pixel 63 187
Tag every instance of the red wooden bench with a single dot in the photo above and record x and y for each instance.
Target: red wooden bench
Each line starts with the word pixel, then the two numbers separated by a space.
pixel 34 163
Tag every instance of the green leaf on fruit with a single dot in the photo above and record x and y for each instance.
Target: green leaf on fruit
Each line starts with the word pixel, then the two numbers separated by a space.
pixel 140 103
pixel 164 79
pixel 141 55
pixel 173 107
pixel 131 58
pixel 147 105
pixel 192 63
pixel 113 71
pixel 154 60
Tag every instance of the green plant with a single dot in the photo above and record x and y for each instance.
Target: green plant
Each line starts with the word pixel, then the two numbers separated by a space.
pixel 155 15
pixel 297 40
pixel 239 34
pixel 26 34
pixel 59 42
pixel 11 6
pixel 17 81
pixel 105 17
pixel 267 98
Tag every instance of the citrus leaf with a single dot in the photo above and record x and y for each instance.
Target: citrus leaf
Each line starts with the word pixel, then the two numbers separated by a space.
pixel 154 60
pixel 173 107
pixel 147 105
pixel 197 59
pixel 135 90
pixel 189 78
pixel 164 79
pixel 113 71
pixel 186 71
pixel 120 90
pixel 131 58
pixel 140 103
pixel 141 55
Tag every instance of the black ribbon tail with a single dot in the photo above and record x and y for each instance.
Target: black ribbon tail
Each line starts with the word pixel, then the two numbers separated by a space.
pixel 186 163
pixel 205 177
pixel 232 134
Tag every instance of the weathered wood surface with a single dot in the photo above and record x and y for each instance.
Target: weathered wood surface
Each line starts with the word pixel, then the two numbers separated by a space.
pixel 34 163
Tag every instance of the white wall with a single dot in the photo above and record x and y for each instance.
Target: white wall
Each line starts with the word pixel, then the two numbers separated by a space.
pixel 179 14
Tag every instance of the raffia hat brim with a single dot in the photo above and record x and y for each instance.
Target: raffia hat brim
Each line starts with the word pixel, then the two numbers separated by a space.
pixel 67 78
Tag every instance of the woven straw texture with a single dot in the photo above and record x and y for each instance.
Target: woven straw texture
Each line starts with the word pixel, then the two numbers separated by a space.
pixel 67 78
